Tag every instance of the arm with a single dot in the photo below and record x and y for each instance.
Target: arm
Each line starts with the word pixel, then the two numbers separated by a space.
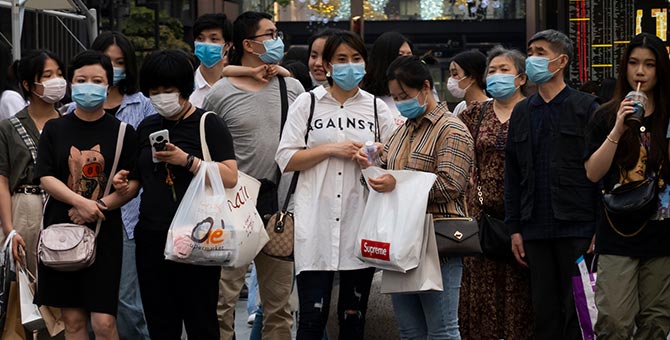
pixel 455 153
pixel 262 73
pixel 87 209
pixel 5 206
pixel 600 161
pixel 513 198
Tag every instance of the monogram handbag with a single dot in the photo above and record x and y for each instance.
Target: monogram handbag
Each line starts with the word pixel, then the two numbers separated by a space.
pixel 71 247
pixel 457 236
pixel 628 207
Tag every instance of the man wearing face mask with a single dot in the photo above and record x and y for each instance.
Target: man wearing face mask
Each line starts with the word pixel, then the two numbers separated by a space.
pixel 213 34
pixel 252 109
pixel 550 204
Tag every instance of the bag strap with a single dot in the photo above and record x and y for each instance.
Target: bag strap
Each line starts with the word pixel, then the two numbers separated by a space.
pixel 203 141
pixel 117 155
pixel 377 131
pixel 296 175
pixel 21 130
pixel 284 114
pixel 485 106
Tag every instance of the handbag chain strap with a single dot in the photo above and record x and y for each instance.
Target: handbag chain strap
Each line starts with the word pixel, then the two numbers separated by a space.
pixel 480 195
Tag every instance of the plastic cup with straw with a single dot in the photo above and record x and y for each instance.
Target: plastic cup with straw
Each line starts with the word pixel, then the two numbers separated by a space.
pixel 634 120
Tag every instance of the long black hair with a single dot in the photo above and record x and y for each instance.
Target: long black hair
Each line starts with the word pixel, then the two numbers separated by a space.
pixel 102 43
pixel 384 52
pixel 473 63
pixel 7 80
pixel 628 152
pixel 411 71
pixel 31 67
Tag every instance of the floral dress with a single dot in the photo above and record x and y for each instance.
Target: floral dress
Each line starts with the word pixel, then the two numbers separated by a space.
pixel 495 293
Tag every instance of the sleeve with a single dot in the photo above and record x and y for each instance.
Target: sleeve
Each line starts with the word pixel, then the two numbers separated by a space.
pixel 215 99
pixel 11 103
pixel 386 123
pixel 147 108
pixel 46 157
pixel 5 138
pixel 596 133
pixel 512 190
pixel 293 136
pixel 455 153
pixel 218 138
pixel 467 117
pixel 294 89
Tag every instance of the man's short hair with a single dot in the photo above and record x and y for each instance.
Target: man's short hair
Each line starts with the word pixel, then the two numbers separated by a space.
pixel 558 41
pixel 245 26
pixel 213 21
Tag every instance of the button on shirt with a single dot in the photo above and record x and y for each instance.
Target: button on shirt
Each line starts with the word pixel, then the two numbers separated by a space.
pixel 329 197
pixel 201 90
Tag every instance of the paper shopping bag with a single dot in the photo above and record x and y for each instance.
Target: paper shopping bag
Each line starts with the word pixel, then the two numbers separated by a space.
pixel 31 318
pixel 584 288
pixel 424 278
pixel 13 328
pixel 53 320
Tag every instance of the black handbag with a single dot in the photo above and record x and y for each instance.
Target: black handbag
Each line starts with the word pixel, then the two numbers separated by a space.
pixel 628 207
pixel 494 234
pixel 457 236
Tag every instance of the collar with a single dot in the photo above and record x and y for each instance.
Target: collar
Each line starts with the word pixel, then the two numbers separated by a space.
pixel 200 81
pixel 22 114
pixel 536 99
pixel 321 92
pixel 432 116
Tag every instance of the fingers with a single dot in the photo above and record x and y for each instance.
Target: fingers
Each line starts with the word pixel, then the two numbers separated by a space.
pixel 519 253
pixel 592 246
pixel 357 145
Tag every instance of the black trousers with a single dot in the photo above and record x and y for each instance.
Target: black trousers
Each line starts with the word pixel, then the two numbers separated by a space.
pixel 175 293
pixel 314 290
pixel 552 266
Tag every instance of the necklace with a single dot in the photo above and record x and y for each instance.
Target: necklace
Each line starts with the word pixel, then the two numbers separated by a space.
pixel 170 176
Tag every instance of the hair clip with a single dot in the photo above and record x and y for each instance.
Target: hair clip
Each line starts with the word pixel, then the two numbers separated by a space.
pixel 423 61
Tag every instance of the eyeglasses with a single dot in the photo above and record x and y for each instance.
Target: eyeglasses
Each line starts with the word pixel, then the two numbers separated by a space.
pixel 274 35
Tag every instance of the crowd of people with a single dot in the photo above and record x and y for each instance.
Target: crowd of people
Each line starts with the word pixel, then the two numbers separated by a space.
pixel 540 160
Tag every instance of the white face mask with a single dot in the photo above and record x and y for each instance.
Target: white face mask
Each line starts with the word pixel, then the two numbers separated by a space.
pixel 54 90
pixel 166 104
pixel 456 91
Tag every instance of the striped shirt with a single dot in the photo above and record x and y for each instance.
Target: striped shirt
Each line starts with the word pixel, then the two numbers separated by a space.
pixel 440 144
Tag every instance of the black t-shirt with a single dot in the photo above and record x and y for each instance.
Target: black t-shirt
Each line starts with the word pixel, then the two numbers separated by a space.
pixel 75 151
pixel 654 239
pixel 157 207
pixel 113 111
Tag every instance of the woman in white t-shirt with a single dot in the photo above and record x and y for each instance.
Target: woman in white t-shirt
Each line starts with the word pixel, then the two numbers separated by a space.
pixel 330 198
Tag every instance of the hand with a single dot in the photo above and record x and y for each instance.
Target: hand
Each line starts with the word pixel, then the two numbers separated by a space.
pixel 347 150
pixel 517 249
pixel 383 183
pixel 271 71
pixel 120 181
pixel 16 242
pixel 88 211
pixel 362 158
pixel 260 73
pixel 592 246
pixel 172 155
pixel 625 108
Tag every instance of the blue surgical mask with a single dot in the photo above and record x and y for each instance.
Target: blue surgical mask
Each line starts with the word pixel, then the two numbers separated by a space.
pixel 349 75
pixel 537 69
pixel 119 74
pixel 274 51
pixel 89 96
pixel 410 108
pixel 501 86
pixel 208 53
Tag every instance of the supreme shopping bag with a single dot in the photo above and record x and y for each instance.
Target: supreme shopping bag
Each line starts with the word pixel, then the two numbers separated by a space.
pixel 13 329
pixel 208 227
pixel 584 287
pixel 426 277
pixel 31 318
pixel 391 230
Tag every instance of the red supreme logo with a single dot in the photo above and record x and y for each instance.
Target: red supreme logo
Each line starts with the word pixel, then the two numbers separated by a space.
pixel 375 250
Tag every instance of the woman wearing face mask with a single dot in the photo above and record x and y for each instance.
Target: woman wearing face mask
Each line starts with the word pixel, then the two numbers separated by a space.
pixel 74 160
pixel 40 75
pixel 167 78
pixel 494 286
pixel 432 141
pixel 467 79
pixel 315 63
pixel 329 197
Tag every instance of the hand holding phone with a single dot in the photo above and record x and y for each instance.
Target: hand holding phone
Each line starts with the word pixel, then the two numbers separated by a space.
pixel 158 141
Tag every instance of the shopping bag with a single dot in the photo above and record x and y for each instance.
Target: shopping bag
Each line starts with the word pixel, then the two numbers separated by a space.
pixel 583 288
pixel 52 319
pixel 31 318
pixel 391 230
pixel 210 228
pixel 7 276
pixel 13 329
pixel 426 277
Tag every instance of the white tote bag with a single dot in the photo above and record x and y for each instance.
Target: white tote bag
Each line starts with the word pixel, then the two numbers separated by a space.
pixel 391 230
pixel 31 318
pixel 426 277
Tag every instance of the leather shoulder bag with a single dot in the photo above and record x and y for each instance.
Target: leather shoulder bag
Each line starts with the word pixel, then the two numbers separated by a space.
pixel 70 247
pixel 629 207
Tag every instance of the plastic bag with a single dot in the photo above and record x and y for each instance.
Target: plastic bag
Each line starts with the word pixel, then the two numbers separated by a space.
pixel 210 228
pixel 391 231
pixel 31 318
pixel 584 289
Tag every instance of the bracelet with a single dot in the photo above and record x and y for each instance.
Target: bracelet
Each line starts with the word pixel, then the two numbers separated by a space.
pixel 612 140
pixel 197 166
pixel 101 202
pixel 189 161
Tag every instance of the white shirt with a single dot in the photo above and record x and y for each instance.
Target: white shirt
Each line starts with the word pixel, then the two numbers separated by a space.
pixel 329 198
pixel 201 90
pixel 11 102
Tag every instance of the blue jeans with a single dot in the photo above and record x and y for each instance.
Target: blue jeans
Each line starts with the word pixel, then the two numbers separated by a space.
pixel 130 317
pixel 432 315
pixel 252 285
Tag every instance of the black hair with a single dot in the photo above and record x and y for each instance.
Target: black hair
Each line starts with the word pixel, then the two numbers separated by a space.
pixel 245 26
pixel 473 63
pixel 31 67
pixel 628 152
pixel 212 21
pixel 91 57
pixel 606 90
pixel 297 53
pixel 104 41
pixel 384 52
pixel 167 68
pixel 300 72
pixel 7 80
pixel 411 71
pixel 351 39
pixel 590 87
pixel 558 41
pixel 324 33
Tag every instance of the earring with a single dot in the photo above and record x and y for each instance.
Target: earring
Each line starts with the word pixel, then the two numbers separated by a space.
pixel 328 74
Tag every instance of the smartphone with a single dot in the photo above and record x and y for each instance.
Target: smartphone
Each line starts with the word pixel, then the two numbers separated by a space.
pixel 158 140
